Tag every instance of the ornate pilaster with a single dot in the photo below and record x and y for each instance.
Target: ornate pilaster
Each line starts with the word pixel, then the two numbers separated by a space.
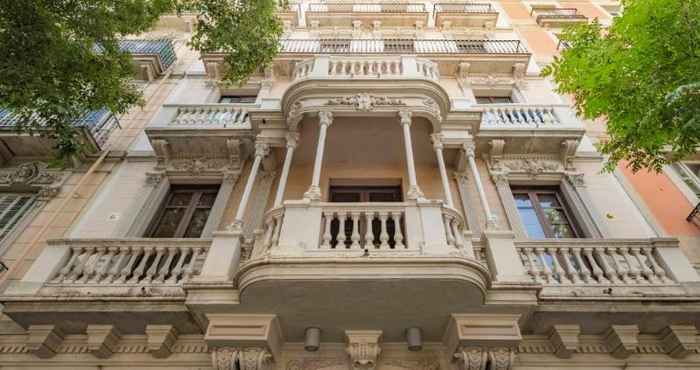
pixel 241 358
pixel 501 358
pixel 363 348
pixel 471 358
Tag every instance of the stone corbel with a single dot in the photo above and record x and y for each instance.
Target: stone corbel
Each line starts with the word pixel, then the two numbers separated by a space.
pixel 476 340
pixel 363 348
pixel 43 340
pixel 622 340
pixel 576 180
pixel 564 339
pixel 568 151
pixel 241 358
pixel 160 339
pixel 471 358
pixel 679 341
pixel 102 340
pixel 295 116
pixel 162 149
pixel 501 358
pixel 154 179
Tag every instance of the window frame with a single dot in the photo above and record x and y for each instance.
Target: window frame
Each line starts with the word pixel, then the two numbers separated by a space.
pixel 365 191
pixel 533 194
pixel 186 220
pixel 494 97
pixel 240 97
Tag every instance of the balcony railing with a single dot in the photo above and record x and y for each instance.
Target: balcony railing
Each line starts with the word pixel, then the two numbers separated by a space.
pixel 129 261
pixel 596 262
pixel 163 50
pixel 388 67
pixel 478 8
pixel 511 116
pixel 96 125
pixel 694 215
pixel 558 14
pixel 401 46
pixel 213 116
pixel 366 8
pixel 361 227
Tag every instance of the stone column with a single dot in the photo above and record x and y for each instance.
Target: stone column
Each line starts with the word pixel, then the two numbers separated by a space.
pixel 490 218
pixel 414 191
pixel 325 119
pixel 261 151
pixel 292 140
pixel 437 145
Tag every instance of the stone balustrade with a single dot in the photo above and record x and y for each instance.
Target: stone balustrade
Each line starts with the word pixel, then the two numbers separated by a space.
pixel 597 262
pixel 211 115
pixel 362 226
pixel 464 8
pixel 129 261
pixel 380 7
pixel 513 116
pixel 402 46
pixel 388 67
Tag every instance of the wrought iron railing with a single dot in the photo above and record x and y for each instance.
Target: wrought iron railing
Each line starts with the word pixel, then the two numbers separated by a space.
pixel 401 46
pixel 557 13
pixel 366 8
pixel 163 49
pixel 694 215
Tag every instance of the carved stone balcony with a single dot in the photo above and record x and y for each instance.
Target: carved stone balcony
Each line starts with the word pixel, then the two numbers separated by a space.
pixel 616 269
pixel 151 57
pixel 481 15
pixel 94 129
pixel 366 14
pixel 344 67
pixel 558 17
pixel 99 281
pixel 212 131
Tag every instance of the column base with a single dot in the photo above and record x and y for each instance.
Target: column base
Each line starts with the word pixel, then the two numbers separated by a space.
pixel 314 193
pixel 415 193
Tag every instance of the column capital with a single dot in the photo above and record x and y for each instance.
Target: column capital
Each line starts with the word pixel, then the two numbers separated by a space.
pixel 469 148
pixel 262 149
pixel 243 358
pixel 292 139
pixel 405 117
pixel 325 118
pixel 436 139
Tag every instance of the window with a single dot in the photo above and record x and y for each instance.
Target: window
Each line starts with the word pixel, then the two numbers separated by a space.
pixel 544 213
pixel 237 99
pixel 689 172
pixel 184 213
pixel 12 207
pixel 356 194
pixel 494 100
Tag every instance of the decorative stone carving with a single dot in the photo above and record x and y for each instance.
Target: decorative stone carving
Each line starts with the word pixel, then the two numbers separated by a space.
pixel 436 139
pixel 463 70
pixel 496 148
pixel 679 341
pixel 568 150
pixel 161 339
pixel 234 152
pixel 102 340
pixel 154 178
pixel 576 179
pixel 230 177
pixel 325 118
pixel 471 358
pixel 292 139
pixel 533 167
pixel 622 340
pixel 405 117
pixel 491 81
pixel 433 108
pixel 43 340
pixel 501 358
pixel 196 166
pixel 33 173
pixel 565 340
pixel 365 102
pixel 241 358
pixel 363 348
pixel 162 149
pixel 519 70
pixel 295 115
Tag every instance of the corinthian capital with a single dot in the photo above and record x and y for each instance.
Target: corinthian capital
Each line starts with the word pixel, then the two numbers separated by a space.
pixel 405 117
pixel 437 141
pixel 262 149
pixel 241 358
pixel 363 348
pixel 469 148
pixel 325 118
pixel 292 139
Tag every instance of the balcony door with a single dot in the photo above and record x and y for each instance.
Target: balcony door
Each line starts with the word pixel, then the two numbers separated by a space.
pixel 365 194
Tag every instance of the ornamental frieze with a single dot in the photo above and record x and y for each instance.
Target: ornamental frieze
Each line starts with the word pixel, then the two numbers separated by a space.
pixel 365 102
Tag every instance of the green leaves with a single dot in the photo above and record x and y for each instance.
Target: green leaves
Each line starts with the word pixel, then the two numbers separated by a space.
pixel 642 76
pixel 51 71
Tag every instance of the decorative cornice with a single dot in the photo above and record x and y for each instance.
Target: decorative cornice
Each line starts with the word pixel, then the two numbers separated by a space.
pixel 32 175
pixel 565 339
pixel 365 102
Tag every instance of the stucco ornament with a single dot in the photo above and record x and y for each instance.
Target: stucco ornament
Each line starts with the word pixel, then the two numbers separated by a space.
pixel 32 173
pixel 365 102
pixel 363 348
pixel 530 166
pixel 237 358
pixel 501 358
pixel 471 358
pixel 199 165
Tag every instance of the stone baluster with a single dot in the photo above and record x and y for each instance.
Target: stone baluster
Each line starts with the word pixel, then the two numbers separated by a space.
pixel 124 254
pixel 546 271
pixel 597 271
pixel 277 230
pixel 179 266
pixel 327 237
pixel 153 268
pixel 165 268
pixel 369 234
pixel 128 268
pixel 583 268
pixel 103 270
pixel 355 230
pixel 74 260
pixel 342 237
pixel 658 270
pixel 557 270
pixel 618 273
pixel 92 263
pixel 383 235
pixel 526 256
pixel 448 230
pixel 646 272
pixel 141 268
pixel 398 234
pixel 571 272
pixel 600 256
pixel 632 270
pixel 192 265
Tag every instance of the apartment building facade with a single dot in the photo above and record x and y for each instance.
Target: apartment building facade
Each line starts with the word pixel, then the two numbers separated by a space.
pixel 399 190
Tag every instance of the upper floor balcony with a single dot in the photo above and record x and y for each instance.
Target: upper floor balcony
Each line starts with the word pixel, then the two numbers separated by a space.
pixel 557 17
pixel 369 15
pixel 94 129
pixel 289 14
pixel 479 15
pixel 151 57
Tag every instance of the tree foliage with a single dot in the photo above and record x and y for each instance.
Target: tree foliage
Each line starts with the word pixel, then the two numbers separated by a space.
pixel 642 75
pixel 61 58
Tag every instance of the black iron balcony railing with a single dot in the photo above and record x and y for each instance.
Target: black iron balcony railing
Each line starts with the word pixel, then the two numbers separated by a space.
pixel 162 49
pixel 366 8
pixel 96 125
pixel 401 46
pixel 476 8
pixel 694 215
pixel 557 13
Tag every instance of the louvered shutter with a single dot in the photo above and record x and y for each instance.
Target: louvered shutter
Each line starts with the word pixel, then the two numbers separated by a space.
pixel 12 207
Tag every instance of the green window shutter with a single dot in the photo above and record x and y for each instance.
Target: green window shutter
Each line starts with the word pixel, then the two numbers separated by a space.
pixel 12 207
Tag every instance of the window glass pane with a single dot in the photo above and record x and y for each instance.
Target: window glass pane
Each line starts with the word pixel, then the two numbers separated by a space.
pixel 344 197
pixel 522 200
pixel 180 199
pixel 228 99
pixel 548 200
pixel 529 217
pixel 196 226
pixel 502 99
pixel 206 200
pixel 169 222
pixel 560 225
